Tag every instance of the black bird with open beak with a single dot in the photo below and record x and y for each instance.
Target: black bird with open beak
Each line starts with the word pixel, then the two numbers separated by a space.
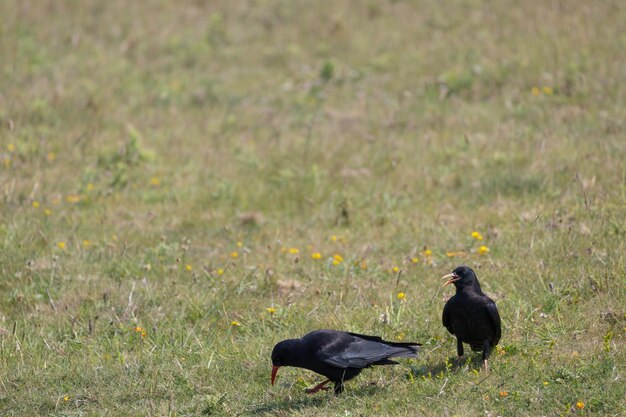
pixel 470 315
pixel 337 355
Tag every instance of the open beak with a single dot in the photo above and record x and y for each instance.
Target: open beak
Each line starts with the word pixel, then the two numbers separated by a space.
pixel 274 372
pixel 452 277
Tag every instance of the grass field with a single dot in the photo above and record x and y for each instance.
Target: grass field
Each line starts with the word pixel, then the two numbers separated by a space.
pixel 184 184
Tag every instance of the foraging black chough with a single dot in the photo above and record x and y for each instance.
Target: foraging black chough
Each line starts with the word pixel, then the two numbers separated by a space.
pixel 470 315
pixel 337 355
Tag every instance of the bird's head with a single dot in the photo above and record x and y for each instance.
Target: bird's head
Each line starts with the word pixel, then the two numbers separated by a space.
pixel 282 355
pixel 462 277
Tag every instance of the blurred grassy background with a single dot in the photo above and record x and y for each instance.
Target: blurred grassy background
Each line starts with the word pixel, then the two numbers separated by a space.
pixel 169 169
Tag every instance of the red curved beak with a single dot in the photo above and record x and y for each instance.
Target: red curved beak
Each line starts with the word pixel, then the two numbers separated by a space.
pixel 451 278
pixel 274 372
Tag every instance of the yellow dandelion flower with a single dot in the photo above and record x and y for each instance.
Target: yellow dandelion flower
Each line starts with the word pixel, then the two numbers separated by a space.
pixel 219 271
pixel 483 250
pixel 504 394
pixel 235 323
pixel 401 296
pixel 10 147
pixel 400 336
pixel 545 383
pixel 333 238
pixel 114 237
pixel 338 258
pixel 427 252
pixel 47 211
pixel 90 186
pixel 476 235
pixel 138 329
pixel 61 245
pixel 234 255
pixel 580 405
pixel 86 243
pixel 535 91
pixel 547 90
pixel 239 244
pixel 414 260
pixel 73 198
pixel 293 251
pixel 189 268
pixel 35 204
pixel 175 85
pixel 316 256
pixel 66 398
pixel 154 181
pixel 51 156
pixel 395 269
pixel 271 310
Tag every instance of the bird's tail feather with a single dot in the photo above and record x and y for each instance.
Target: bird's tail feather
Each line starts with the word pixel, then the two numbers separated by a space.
pixel 405 354
pixel 403 344
pixel 404 350
pixel 408 349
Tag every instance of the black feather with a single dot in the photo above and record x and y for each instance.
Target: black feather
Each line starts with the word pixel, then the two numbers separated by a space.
pixel 471 315
pixel 338 355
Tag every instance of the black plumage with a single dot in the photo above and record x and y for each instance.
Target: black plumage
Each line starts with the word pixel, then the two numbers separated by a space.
pixel 337 355
pixel 470 315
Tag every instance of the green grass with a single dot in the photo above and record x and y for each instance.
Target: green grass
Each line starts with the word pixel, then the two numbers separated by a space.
pixel 139 138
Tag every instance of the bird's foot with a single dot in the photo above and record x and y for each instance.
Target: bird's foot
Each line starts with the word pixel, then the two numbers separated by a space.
pixel 458 362
pixel 318 387
pixel 486 365
pixel 314 390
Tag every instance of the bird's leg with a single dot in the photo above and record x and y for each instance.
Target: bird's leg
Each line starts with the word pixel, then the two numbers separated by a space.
pixel 459 351
pixel 486 351
pixel 318 387
pixel 339 384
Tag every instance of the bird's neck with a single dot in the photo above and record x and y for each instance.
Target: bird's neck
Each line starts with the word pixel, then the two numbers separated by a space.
pixel 296 347
pixel 470 289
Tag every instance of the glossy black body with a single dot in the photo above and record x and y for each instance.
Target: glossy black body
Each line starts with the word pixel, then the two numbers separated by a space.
pixel 339 356
pixel 471 316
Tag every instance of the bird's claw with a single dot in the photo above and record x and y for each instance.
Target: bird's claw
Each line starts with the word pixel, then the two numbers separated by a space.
pixel 458 362
pixel 314 390
pixel 318 387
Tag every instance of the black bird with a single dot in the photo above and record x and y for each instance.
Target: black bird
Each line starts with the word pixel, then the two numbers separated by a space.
pixel 470 315
pixel 337 355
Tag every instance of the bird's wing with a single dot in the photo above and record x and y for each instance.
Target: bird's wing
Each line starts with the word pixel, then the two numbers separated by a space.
pixel 363 351
pixel 492 310
pixel 412 346
pixel 445 318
